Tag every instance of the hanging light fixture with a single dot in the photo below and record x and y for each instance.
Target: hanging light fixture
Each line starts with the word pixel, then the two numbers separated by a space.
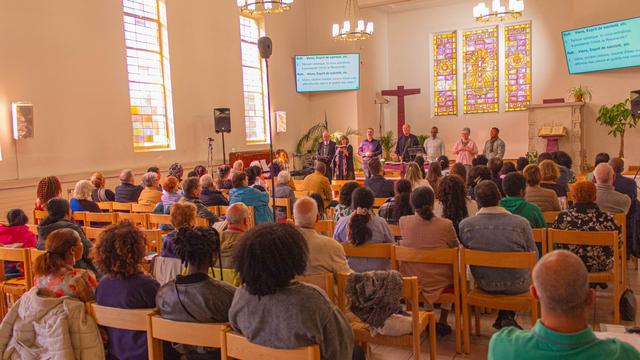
pixel 498 12
pixel 260 7
pixel 353 28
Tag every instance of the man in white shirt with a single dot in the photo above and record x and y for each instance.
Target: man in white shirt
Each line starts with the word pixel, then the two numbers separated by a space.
pixel 433 146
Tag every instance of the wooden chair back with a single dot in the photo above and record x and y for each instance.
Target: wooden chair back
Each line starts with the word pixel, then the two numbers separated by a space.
pixel 92 233
pixel 17 254
pixel 34 254
pixel 105 205
pixel 125 319
pixel 140 208
pixel 395 230
pixel 121 207
pixel 550 216
pixel 110 218
pixel 201 221
pixel 239 348
pixel 153 220
pixel 286 203
pixel 222 210
pixel 540 237
pixel 374 251
pixel 324 281
pixel 300 193
pixel 79 216
pixel 299 184
pixel 154 240
pixel 377 202
pixel 621 219
pixel 187 333
pixel 39 215
pixel 325 227
pixel 138 220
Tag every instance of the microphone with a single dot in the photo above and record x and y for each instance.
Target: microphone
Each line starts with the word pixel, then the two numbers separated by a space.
pixel 211 139
pixel 266 47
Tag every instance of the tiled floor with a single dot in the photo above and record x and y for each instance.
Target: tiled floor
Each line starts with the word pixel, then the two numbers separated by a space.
pixel 601 312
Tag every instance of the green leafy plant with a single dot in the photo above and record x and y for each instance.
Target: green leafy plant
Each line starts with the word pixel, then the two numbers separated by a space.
pixel 618 118
pixel 387 142
pixel 422 138
pixel 580 93
pixel 309 141
pixel 532 156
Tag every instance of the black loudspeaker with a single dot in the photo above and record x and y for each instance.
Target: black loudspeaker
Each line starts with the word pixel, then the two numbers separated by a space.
pixel 635 103
pixel 222 120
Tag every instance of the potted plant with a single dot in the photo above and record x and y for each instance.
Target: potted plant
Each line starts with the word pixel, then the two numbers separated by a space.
pixel 387 142
pixel 618 118
pixel 308 143
pixel 580 93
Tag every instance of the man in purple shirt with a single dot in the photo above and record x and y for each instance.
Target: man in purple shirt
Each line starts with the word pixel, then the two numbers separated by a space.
pixel 370 148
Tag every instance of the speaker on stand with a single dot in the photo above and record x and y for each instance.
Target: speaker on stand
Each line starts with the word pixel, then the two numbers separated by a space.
pixel 222 124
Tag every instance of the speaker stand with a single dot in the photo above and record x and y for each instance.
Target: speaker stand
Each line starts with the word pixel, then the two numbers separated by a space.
pixel 224 151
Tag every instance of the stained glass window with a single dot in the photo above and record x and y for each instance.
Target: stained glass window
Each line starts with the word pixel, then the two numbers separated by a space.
pixel 445 73
pixel 147 50
pixel 517 66
pixel 254 82
pixel 480 56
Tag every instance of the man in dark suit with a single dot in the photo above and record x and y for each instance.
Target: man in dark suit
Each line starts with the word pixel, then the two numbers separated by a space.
pixel 326 152
pixel 381 187
pixel 406 141
pixel 627 186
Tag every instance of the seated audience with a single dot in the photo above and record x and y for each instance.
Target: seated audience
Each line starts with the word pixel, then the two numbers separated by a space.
pixel 444 164
pixel 318 183
pixel 191 189
pixel 452 201
pixel 183 214
pixel 585 215
pixel 210 195
pixel 127 191
pixel 268 258
pixel 459 170
pixel 199 171
pixel 238 219
pixel 257 168
pixel 55 275
pixel 363 227
pixel 381 187
pixel 607 198
pixel 81 200
pixel 241 192
pixel 495 166
pixel 224 177
pixel 425 231
pixel 628 187
pixel 325 254
pixel 399 205
pixel 434 175
pixel 561 285
pixel 155 169
pixel 564 162
pixel 118 254
pixel 521 163
pixel 479 160
pixel 476 175
pixel 195 297
pixel 48 188
pixel 176 170
pixel 550 172
pixel 507 168
pixel 414 176
pixel 253 178
pixel 546 199
pixel 284 191
pixel 100 193
pixel 319 202
pixel 344 204
pixel 514 185
pixel 16 232
pixel 238 167
pixel 59 218
pixel 150 195
pixel 495 229
pixel 171 193
pixel 600 158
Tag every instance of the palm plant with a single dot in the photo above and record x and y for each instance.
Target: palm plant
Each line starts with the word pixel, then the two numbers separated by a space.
pixel 312 137
pixel 387 142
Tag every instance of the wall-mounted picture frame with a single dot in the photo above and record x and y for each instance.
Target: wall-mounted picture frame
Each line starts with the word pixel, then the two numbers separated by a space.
pixel 281 121
pixel 23 121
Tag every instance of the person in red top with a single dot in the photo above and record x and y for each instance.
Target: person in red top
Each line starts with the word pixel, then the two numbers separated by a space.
pixel 17 232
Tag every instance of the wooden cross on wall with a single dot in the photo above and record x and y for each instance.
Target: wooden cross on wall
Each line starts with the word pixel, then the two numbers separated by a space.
pixel 400 92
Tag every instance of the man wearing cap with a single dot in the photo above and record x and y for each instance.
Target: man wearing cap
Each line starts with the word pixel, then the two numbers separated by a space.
pixel 494 147
pixel 465 149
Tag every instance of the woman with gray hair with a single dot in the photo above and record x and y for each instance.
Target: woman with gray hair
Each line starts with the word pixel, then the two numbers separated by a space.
pixel 81 200
pixel 150 195
pixel 209 194
pixel 283 190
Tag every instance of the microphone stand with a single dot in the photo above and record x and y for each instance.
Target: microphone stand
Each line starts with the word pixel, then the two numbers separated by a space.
pixel 210 155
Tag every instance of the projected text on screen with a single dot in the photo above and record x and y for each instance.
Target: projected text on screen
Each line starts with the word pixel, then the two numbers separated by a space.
pixel 315 73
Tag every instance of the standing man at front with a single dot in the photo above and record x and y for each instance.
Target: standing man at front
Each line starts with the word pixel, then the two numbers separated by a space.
pixel 370 148
pixel 494 147
pixel 326 152
pixel 465 149
pixel 433 146
pixel 406 141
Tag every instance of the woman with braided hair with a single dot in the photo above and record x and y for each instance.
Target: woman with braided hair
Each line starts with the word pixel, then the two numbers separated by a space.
pixel 48 188
pixel 196 297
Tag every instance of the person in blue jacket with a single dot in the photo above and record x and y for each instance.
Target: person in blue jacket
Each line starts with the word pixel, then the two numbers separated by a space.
pixel 241 192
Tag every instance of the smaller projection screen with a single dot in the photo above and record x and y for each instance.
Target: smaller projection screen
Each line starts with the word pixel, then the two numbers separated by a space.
pixel 607 46
pixel 334 72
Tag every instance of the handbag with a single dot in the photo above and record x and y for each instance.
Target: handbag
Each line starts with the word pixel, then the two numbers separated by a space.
pixel 628 305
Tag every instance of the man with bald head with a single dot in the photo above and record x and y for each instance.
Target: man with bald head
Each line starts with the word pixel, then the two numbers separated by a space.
pixel 325 153
pixel 238 219
pixel 325 254
pixel 607 198
pixel 561 285
pixel 405 141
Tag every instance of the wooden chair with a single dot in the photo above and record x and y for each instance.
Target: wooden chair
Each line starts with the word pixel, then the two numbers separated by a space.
pixel 550 216
pixel 377 202
pixel 239 348
pixel 105 206
pixel 34 254
pixel 214 209
pixel 121 207
pixel 33 229
pixel 595 238
pixel 125 319
pixel 374 251
pixel 335 190
pixel 621 219
pixel 139 208
pixel 299 184
pixel 154 220
pixel 138 220
pixel 100 218
pixel 222 210
pixel 187 333
pixel 286 203
pixel 540 237
pixel 478 298
pixel 79 216
pixel 395 230
pixel 92 233
pixel 39 215
pixel 154 240
pixel 325 227
pixel 420 320
pixel 202 221
pixel 12 289
pixel 324 281
pixel 437 256
pixel 300 193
